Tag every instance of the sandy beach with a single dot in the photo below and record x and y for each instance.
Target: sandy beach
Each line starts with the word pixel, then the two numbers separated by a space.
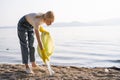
pixel 16 72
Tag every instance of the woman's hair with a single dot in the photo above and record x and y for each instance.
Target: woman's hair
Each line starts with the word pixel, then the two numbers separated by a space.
pixel 49 15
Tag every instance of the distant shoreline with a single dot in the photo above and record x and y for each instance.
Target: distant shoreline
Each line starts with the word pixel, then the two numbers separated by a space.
pixel 107 22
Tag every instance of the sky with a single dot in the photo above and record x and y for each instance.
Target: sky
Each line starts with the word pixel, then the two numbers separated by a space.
pixel 65 10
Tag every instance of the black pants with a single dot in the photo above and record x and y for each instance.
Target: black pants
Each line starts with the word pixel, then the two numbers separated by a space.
pixel 26 38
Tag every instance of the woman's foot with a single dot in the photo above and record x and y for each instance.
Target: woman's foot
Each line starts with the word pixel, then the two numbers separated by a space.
pixel 28 70
pixel 36 67
pixel 34 64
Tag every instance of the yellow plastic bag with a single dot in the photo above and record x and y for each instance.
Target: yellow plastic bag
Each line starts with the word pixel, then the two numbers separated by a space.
pixel 48 45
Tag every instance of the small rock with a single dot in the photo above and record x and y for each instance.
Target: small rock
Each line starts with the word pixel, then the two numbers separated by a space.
pixel 7 48
pixel 106 70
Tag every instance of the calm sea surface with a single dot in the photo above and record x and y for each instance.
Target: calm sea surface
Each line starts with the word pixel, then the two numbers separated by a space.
pixel 86 46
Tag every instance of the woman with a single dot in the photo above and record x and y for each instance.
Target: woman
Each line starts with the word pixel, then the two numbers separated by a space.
pixel 27 25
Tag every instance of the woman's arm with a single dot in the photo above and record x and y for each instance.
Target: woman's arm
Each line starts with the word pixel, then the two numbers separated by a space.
pixel 38 39
pixel 44 56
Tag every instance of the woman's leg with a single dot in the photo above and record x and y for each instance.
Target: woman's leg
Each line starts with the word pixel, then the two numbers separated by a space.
pixel 31 47
pixel 24 47
pixel 24 50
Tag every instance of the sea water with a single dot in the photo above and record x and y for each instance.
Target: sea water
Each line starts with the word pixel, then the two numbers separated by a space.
pixel 83 46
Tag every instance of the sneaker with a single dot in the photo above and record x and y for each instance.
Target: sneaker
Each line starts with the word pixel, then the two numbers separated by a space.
pixel 29 71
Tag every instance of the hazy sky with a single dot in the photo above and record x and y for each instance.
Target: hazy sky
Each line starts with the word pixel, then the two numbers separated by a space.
pixel 64 10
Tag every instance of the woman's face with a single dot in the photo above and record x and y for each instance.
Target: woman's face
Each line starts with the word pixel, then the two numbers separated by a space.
pixel 49 21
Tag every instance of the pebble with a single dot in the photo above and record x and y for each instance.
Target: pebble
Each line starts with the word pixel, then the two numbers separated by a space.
pixel 106 70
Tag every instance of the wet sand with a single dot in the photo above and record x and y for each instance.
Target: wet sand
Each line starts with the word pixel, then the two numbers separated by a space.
pixel 17 72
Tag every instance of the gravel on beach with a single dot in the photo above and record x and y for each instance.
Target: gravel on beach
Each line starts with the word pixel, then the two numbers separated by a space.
pixel 17 72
